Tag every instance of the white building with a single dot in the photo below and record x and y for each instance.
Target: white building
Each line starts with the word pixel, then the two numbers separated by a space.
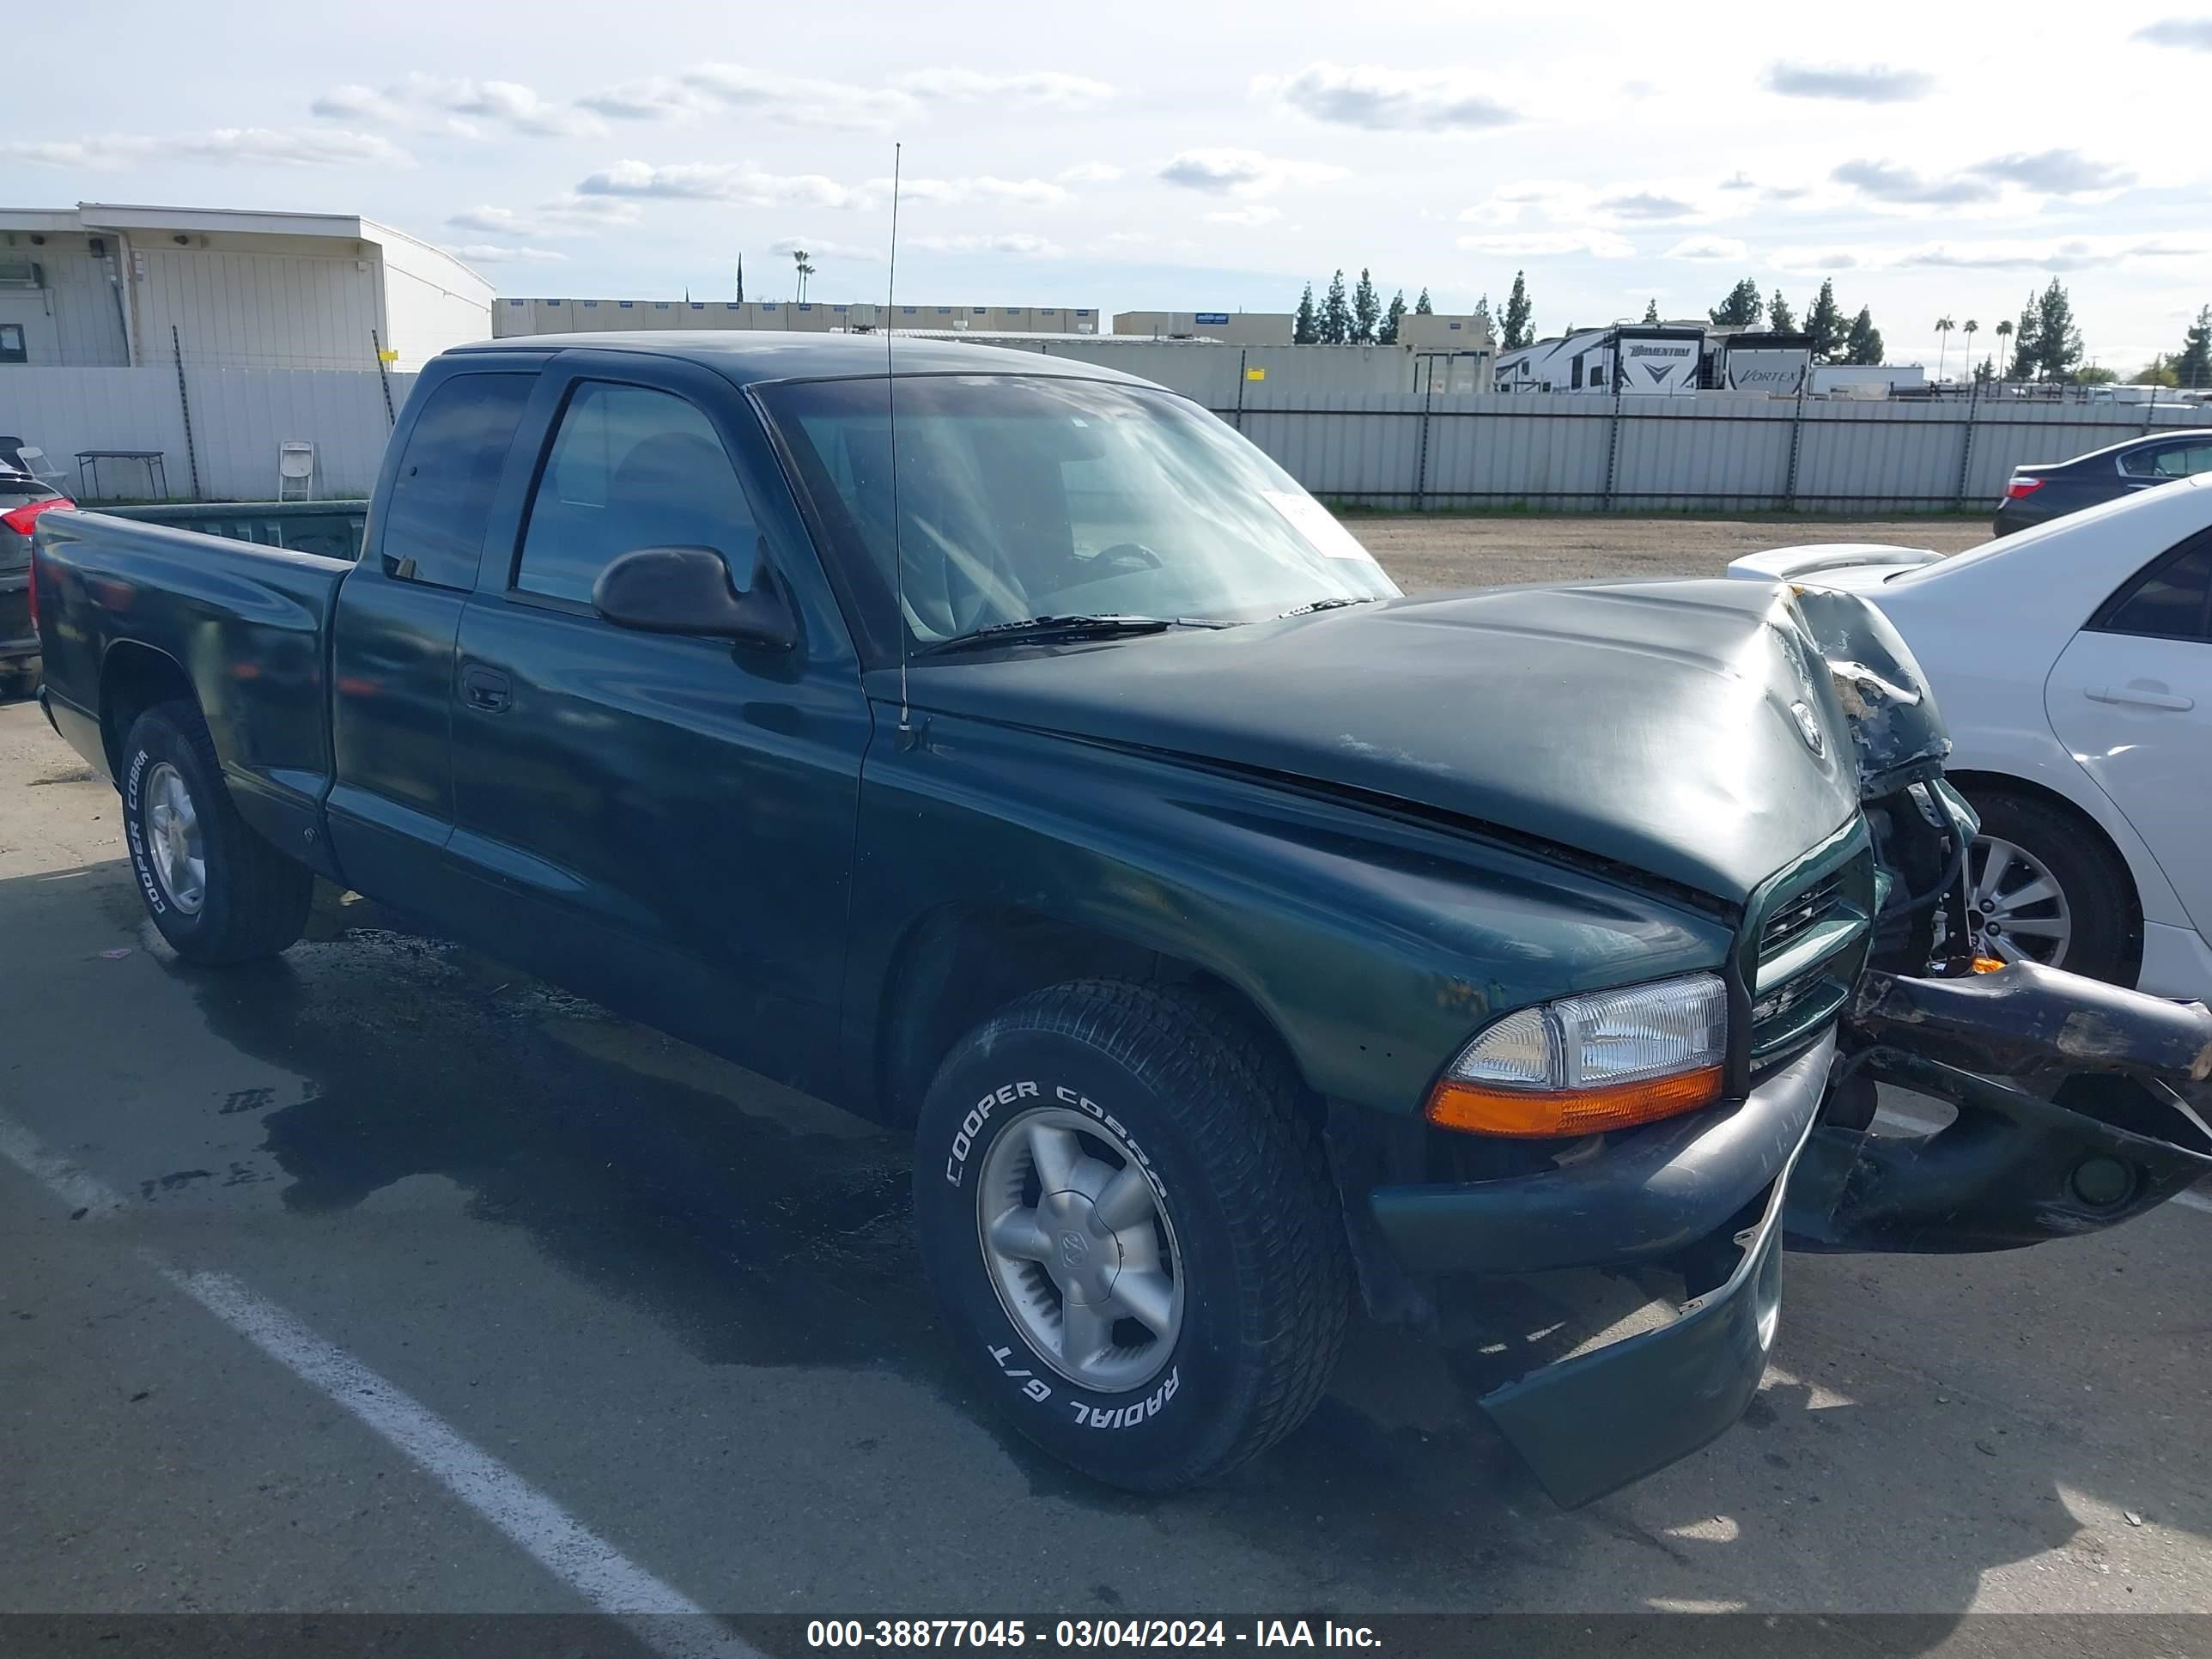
pixel 99 285
pixel 515 319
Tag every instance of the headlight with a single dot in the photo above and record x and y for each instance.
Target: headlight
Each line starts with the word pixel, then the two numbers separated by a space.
pixel 1590 1063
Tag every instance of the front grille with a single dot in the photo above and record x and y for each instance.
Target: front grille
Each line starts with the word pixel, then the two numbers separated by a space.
pixel 1799 914
pixel 1812 943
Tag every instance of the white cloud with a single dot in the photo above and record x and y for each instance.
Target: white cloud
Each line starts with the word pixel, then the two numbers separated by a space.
pixel 824 247
pixel 1243 172
pixel 565 216
pixel 356 103
pixel 489 254
pixel 739 182
pixel 1857 83
pixel 2103 252
pixel 747 185
pixel 1816 258
pixel 657 98
pixel 2194 33
pixel 801 100
pixel 496 221
pixel 1706 247
pixel 464 101
pixel 508 103
pixel 1038 90
pixel 1902 186
pixel 1390 101
pixel 1251 218
pixel 572 214
pixel 1090 173
pixel 1012 192
pixel 2069 253
pixel 257 146
pixel 1019 243
pixel 2055 172
pixel 1541 245
pixel 1580 206
pixel 1646 204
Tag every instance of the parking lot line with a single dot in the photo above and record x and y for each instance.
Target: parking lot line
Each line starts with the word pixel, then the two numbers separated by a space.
pixel 660 1615
pixel 81 1192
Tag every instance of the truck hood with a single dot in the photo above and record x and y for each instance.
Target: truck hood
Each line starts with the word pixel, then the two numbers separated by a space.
pixel 1685 730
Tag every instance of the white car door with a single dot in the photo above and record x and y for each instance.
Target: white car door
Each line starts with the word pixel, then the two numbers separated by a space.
pixel 2132 696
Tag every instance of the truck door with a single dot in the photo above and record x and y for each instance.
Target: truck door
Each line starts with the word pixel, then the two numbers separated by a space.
pixel 666 823
pixel 391 808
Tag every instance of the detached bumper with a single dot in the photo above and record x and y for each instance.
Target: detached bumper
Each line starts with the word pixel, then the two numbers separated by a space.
pixel 1705 1195
pixel 2079 1105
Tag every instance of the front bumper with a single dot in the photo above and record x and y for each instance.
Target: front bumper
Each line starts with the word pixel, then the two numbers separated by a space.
pixel 2078 1106
pixel 1701 1195
pixel 1593 1423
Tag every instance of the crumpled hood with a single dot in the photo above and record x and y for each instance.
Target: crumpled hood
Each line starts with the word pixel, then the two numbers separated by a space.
pixel 1654 725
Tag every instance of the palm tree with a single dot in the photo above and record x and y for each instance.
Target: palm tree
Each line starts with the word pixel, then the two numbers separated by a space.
pixel 2004 333
pixel 1968 328
pixel 798 259
pixel 1943 327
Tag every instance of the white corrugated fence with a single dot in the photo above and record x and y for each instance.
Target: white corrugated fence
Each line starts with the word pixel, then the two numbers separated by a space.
pixel 1402 449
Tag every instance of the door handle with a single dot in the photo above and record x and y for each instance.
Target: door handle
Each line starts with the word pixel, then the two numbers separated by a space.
pixel 483 688
pixel 2142 697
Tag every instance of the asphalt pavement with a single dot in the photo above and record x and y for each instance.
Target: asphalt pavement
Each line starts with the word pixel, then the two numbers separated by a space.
pixel 384 1278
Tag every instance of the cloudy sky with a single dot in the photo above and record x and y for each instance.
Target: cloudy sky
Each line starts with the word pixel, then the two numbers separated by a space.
pixel 1187 156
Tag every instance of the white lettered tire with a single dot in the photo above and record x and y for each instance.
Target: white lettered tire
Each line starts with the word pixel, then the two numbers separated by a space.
pixel 1128 1215
pixel 217 892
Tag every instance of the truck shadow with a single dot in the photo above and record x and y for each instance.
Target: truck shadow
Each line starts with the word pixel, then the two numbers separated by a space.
pixel 765 1229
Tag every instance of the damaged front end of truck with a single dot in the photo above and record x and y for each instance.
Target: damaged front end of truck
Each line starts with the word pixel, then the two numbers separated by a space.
pixel 2075 1105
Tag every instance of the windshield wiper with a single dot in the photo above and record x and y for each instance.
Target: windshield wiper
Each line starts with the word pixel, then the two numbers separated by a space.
pixel 1327 604
pixel 1062 628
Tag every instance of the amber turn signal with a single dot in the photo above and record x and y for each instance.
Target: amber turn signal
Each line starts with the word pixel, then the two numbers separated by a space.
pixel 1547 1113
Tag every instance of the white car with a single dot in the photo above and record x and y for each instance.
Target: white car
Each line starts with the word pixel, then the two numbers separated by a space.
pixel 2073 664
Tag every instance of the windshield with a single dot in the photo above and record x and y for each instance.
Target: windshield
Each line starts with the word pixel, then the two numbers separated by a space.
pixel 1022 497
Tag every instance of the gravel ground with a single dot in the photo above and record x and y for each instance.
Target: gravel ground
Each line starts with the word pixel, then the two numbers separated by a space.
pixel 1430 552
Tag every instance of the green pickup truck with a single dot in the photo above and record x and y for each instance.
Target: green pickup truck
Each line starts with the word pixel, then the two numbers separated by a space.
pixel 1008 750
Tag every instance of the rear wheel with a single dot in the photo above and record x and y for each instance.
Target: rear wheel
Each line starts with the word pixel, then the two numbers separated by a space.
pixel 1131 1225
pixel 2041 887
pixel 216 889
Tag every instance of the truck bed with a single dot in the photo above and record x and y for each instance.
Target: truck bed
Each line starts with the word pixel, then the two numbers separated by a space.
pixel 244 626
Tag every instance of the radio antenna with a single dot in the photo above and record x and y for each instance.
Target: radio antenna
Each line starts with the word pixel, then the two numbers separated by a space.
pixel 890 423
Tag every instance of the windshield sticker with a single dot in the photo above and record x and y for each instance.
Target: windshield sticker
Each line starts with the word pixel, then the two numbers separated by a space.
pixel 1317 525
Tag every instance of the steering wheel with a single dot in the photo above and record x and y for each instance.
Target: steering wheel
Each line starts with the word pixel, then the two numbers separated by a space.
pixel 1126 555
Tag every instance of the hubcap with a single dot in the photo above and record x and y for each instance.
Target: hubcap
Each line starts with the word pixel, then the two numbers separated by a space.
pixel 2016 909
pixel 1079 1250
pixel 174 845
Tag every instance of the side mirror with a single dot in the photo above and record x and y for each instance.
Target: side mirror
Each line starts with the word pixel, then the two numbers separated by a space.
pixel 687 590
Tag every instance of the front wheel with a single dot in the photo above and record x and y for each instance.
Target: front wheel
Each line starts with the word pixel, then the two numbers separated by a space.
pixel 216 889
pixel 2042 888
pixel 1130 1223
